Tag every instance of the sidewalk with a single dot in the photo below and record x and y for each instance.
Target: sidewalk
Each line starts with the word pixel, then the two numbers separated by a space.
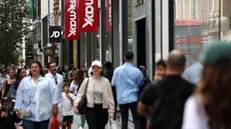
pixel 130 124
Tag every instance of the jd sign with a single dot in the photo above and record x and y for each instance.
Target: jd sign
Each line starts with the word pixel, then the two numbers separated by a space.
pixel 55 34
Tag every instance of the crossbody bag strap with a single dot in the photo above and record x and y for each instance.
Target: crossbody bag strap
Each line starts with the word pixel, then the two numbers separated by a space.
pixel 85 91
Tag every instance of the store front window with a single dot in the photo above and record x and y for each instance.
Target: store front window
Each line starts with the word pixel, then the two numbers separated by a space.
pixel 198 23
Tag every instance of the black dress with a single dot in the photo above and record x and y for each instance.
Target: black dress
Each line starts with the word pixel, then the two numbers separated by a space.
pixel 7 89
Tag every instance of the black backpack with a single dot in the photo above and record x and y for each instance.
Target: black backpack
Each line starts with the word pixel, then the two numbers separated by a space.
pixel 167 110
pixel 144 84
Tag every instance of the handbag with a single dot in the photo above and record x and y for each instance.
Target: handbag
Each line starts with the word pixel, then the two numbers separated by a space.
pixel 113 124
pixel 82 106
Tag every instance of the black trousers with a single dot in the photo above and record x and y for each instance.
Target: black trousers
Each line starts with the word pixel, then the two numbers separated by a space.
pixel 124 108
pixel 115 100
pixel 97 117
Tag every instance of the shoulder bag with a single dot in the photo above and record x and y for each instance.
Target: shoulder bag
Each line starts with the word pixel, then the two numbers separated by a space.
pixel 82 106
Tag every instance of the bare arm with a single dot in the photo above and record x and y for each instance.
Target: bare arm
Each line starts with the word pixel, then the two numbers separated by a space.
pixel 3 89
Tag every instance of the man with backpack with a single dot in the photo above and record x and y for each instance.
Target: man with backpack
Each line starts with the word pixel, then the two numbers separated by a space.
pixel 164 100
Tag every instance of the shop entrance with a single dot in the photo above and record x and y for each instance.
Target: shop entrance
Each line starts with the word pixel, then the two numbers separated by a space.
pixel 141 42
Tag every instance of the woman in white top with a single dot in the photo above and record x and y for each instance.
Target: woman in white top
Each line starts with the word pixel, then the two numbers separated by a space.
pixel 210 107
pixel 37 99
pixel 74 88
pixel 100 100
pixel 76 83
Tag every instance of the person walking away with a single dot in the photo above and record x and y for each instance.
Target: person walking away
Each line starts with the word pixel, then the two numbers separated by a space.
pixel 37 99
pixel 127 80
pixel 57 80
pixel 164 100
pixel 7 83
pixel 68 110
pixel 145 82
pixel 108 73
pixel 209 107
pixel 8 117
pixel 194 72
pixel 160 70
pixel 100 102
pixel 74 88
pixel 108 70
pixel 60 70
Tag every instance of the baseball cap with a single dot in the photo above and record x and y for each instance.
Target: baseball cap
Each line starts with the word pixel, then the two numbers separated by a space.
pixel 96 63
pixel 216 51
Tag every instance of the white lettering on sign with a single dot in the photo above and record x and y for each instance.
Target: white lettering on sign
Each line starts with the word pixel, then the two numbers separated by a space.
pixel 89 13
pixel 73 17
pixel 110 21
pixel 55 34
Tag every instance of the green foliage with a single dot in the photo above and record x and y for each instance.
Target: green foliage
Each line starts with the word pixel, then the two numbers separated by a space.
pixel 14 24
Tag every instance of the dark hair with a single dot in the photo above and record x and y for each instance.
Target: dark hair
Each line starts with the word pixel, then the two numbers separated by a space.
pixel 215 91
pixel 40 66
pixel 79 80
pixel 66 84
pixel 48 65
pixel 161 63
pixel 108 65
pixel 129 55
pixel 18 75
pixel 177 60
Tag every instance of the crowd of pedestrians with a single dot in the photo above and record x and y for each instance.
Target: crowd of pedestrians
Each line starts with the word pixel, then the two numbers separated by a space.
pixel 197 97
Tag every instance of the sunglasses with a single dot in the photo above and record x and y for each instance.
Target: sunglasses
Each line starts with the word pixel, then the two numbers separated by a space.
pixel 56 81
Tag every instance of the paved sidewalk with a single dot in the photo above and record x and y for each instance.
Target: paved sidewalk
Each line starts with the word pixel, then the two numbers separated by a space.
pixel 130 124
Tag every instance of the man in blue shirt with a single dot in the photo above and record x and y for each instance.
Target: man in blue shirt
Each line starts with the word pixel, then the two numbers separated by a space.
pixel 194 72
pixel 127 80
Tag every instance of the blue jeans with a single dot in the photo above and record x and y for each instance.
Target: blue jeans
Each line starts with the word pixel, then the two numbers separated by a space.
pixel 35 125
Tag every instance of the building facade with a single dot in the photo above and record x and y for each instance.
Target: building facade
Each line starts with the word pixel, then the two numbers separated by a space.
pixel 188 25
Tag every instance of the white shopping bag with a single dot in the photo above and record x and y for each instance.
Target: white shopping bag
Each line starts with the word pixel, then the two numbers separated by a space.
pixel 113 124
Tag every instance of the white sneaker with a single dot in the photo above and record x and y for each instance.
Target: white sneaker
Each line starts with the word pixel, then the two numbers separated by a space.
pixel 80 127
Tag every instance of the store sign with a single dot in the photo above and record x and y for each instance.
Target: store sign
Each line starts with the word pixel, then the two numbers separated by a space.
pixel 88 15
pixel 55 34
pixel 49 51
pixel 108 16
pixel 71 20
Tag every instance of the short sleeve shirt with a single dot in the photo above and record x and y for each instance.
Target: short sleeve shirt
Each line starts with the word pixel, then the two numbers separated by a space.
pixel 167 86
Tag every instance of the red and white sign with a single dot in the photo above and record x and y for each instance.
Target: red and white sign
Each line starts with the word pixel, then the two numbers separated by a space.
pixel 71 20
pixel 88 15
pixel 108 16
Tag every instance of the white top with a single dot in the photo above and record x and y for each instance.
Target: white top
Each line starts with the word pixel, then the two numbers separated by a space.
pixel 73 88
pixel 98 92
pixel 37 97
pixel 59 82
pixel 67 106
pixel 194 115
pixel 108 100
